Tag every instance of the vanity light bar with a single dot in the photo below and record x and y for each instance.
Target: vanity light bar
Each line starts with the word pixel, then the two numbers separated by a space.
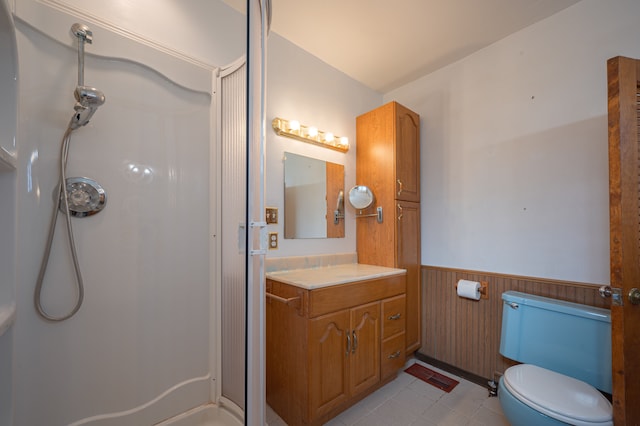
pixel 293 129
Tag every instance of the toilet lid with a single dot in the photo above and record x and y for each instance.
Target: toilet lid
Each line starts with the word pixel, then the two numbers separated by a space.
pixel 558 396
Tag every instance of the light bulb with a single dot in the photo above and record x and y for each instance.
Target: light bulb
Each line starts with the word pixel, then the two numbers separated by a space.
pixel 294 125
pixel 328 137
pixel 313 132
pixel 344 141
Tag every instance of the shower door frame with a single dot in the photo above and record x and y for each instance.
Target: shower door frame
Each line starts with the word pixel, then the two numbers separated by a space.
pixel 255 223
pixel 218 186
pixel 258 17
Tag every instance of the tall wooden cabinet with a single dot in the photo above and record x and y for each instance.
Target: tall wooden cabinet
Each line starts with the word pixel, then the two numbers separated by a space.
pixel 388 161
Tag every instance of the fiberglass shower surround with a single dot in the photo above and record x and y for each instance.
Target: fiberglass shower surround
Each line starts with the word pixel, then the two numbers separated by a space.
pixel 142 347
pixel 79 196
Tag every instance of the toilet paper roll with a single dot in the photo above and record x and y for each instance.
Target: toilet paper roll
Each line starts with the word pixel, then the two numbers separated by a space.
pixel 469 289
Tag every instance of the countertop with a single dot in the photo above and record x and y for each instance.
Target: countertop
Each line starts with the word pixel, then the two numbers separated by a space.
pixel 313 278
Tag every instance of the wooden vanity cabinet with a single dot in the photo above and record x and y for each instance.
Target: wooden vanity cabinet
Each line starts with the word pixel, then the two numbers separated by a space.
pixel 325 346
pixel 393 335
pixel 344 356
pixel 388 161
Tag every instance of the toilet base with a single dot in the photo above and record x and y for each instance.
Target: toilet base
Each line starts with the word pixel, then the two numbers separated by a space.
pixel 520 414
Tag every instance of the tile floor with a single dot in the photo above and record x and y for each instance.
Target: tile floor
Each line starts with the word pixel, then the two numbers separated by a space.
pixel 410 401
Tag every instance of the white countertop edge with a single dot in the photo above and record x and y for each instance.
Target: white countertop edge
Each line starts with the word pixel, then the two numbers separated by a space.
pixel 7 317
pixel 314 278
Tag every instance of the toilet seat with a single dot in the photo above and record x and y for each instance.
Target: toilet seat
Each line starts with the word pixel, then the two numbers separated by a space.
pixel 558 396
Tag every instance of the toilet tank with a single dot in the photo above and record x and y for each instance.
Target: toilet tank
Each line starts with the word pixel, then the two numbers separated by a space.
pixel 565 337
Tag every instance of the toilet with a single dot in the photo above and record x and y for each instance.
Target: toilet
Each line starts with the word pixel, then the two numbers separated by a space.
pixel 565 354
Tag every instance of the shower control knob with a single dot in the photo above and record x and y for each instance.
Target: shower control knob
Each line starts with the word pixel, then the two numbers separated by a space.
pixel 85 197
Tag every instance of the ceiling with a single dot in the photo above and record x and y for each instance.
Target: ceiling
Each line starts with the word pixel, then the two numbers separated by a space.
pixel 385 44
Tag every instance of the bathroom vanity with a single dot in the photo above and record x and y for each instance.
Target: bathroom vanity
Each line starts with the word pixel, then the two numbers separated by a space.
pixel 334 335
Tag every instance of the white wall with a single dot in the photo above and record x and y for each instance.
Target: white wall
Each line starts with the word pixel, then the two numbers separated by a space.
pixel 514 147
pixel 301 87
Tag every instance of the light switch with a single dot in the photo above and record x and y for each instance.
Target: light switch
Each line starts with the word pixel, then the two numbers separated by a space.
pixel 271 214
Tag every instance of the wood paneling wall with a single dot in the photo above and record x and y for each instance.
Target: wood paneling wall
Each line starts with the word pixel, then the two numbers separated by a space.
pixel 465 333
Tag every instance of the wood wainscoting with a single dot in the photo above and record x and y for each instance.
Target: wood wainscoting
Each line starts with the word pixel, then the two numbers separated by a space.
pixel 464 333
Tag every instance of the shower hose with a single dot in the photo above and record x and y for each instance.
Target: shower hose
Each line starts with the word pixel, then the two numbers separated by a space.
pixel 61 198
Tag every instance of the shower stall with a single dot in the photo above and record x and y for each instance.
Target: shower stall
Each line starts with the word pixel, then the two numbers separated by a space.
pixel 170 264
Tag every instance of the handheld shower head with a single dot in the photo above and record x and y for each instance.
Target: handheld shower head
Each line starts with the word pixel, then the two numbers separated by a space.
pixel 89 96
pixel 88 99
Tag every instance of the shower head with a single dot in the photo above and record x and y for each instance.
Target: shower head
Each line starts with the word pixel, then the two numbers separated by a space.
pixel 89 96
pixel 88 99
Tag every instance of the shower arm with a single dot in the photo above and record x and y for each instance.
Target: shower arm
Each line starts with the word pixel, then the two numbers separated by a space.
pixel 84 35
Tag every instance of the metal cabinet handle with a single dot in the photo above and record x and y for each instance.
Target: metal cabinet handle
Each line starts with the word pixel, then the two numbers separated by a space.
pixel 355 342
pixel 399 186
pixel 348 342
pixel 400 212
pixel 395 317
pixel 396 354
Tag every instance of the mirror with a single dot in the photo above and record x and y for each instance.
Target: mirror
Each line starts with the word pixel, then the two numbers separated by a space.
pixel 313 198
pixel 360 197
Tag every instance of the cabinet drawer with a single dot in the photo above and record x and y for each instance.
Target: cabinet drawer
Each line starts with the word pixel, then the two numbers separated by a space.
pixel 393 316
pixel 333 298
pixel 393 355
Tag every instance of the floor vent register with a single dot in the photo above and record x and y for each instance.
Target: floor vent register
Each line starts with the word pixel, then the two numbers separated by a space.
pixel 432 377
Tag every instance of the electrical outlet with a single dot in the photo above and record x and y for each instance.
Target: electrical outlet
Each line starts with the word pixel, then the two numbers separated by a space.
pixel 273 240
pixel 271 214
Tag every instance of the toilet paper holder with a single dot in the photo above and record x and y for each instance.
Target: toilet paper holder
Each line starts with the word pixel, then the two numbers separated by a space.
pixel 484 289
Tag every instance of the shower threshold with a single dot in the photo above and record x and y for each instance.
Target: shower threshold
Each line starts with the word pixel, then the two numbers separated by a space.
pixel 204 415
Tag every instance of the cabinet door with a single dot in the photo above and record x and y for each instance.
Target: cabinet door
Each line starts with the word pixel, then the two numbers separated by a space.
pixel 364 360
pixel 407 154
pixel 328 358
pixel 408 257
